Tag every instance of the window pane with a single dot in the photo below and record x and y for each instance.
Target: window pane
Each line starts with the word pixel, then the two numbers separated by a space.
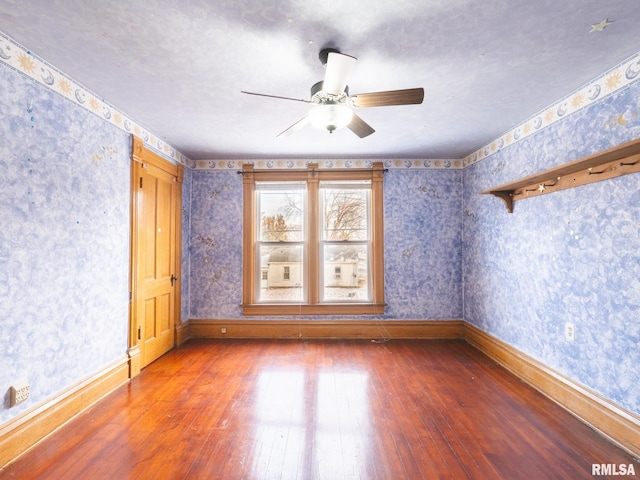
pixel 310 245
pixel 281 274
pixel 344 213
pixel 345 273
pixel 281 215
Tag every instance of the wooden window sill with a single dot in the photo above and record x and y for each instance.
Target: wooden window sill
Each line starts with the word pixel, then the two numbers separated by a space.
pixel 320 309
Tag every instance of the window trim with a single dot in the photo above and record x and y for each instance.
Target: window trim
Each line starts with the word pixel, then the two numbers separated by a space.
pixel 312 175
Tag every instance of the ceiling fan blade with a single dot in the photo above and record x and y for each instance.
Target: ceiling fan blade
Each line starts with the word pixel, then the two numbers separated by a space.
pixel 338 70
pixel 409 96
pixel 294 128
pixel 360 127
pixel 276 96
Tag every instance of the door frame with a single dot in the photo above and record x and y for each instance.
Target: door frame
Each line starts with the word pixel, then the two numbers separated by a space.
pixel 142 155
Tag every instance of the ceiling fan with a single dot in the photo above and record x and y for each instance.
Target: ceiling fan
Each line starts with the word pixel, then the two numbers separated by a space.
pixel 333 106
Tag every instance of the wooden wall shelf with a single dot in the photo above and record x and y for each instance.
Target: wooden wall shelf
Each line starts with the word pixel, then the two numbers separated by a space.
pixel 611 163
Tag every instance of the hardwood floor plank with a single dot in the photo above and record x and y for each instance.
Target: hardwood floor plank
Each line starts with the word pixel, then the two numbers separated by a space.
pixel 318 409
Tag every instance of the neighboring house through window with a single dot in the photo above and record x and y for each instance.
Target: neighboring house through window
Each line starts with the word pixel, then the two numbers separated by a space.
pixel 313 241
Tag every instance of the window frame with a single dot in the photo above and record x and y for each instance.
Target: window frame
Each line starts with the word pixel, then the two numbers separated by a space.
pixel 312 176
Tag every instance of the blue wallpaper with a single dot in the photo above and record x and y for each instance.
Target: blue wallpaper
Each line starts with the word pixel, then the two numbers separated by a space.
pixel 423 251
pixel 570 256
pixel 186 225
pixel 216 245
pixel 64 241
pixel 422 244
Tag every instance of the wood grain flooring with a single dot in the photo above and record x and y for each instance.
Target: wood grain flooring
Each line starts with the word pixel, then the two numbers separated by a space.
pixel 317 409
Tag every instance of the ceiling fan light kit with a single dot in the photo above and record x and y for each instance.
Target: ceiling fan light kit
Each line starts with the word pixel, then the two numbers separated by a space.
pixel 333 105
pixel 331 116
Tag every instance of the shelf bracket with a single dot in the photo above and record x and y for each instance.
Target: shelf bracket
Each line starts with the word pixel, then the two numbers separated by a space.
pixel 507 198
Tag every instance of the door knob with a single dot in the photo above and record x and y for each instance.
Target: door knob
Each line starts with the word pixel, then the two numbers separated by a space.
pixel 173 279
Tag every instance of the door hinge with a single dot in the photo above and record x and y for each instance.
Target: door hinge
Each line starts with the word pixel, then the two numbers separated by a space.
pixel 130 297
pixel 140 182
pixel 139 333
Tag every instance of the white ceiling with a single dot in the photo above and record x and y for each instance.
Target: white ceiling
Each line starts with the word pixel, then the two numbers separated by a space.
pixel 177 66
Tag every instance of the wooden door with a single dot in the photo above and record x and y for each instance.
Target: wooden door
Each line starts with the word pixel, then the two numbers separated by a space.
pixel 156 189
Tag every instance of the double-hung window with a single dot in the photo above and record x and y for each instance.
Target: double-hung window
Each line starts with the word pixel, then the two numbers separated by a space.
pixel 313 241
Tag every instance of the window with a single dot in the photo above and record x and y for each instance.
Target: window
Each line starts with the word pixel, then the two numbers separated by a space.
pixel 313 241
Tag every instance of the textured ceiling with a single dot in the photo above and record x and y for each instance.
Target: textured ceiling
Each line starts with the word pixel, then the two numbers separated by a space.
pixel 177 66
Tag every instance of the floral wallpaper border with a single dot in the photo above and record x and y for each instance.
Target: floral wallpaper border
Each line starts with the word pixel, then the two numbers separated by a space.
pixel 18 57
pixel 608 83
pixel 327 163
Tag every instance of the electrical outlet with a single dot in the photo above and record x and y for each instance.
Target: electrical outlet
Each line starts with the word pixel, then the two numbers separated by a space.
pixel 18 393
pixel 223 330
pixel 569 331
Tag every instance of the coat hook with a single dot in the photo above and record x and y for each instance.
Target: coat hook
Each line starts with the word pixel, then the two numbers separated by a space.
pixel 596 173
pixel 552 184
pixel 630 164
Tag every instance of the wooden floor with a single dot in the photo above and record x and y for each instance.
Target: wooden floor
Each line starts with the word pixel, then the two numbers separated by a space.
pixel 246 409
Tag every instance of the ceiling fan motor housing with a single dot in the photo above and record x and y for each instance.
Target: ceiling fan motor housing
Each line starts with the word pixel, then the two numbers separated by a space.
pixel 323 55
